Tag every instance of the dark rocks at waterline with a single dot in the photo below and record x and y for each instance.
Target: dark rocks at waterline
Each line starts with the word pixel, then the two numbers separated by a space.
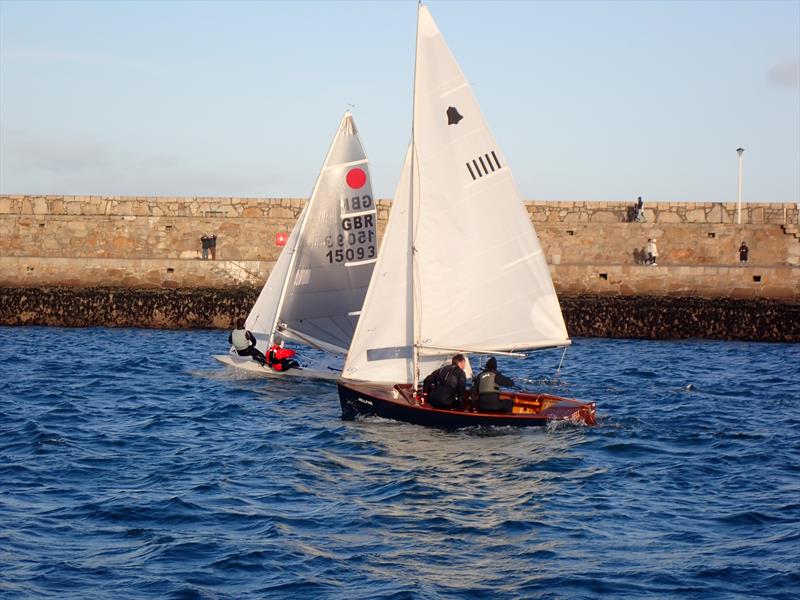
pixel 663 318
pixel 645 317
pixel 123 307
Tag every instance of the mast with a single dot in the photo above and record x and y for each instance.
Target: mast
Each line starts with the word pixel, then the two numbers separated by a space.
pixel 412 214
pixel 293 259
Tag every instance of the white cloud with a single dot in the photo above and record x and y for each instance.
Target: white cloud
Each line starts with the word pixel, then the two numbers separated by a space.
pixel 786 73
pixel 31 164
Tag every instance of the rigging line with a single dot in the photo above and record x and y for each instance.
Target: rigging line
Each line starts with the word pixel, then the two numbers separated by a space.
pixel 561 362
pixel 413 217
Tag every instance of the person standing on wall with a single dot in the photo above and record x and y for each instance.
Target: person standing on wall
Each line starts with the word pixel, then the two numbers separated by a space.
pixel 743 252
pixel 204 244
pixel 639 213
pixel 652 251
pixel 212 245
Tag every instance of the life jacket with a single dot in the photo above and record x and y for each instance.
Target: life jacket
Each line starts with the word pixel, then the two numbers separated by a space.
pixel 277 355
pixel 448 377
pixel 239 339
pixel 487 384
pixel 281 353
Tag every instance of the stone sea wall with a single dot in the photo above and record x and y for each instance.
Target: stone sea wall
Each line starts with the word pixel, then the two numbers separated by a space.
pixel 246 228
pixel 135 261
pixel 647 317
pixel 728 281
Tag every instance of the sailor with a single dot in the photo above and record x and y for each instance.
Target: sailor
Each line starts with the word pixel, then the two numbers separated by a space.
pixel 245 342
pixel 281 358
pixel 488 383
pixel 448 384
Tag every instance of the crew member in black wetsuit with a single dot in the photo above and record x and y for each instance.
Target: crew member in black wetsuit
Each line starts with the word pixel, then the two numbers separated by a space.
pixel 245 342
pixel 488 383
pixel 448 385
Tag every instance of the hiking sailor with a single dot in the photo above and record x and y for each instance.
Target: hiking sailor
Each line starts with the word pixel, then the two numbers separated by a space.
pixel 245 342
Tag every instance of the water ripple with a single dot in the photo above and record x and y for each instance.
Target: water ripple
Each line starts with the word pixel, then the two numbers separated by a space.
pixel 153 474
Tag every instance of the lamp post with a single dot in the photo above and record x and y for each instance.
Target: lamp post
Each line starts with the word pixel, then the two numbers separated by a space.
pixel 739 151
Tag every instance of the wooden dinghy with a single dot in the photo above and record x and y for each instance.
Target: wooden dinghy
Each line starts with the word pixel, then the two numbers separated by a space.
pixel 399 403
pixel 460 269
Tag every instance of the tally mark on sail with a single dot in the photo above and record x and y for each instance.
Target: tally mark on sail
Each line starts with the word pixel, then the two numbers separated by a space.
pixel 483 165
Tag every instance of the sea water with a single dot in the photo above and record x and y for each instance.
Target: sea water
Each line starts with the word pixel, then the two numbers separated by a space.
pixel 134 466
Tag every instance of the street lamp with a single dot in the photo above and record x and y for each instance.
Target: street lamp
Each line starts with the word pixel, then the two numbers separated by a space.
pixel 739 151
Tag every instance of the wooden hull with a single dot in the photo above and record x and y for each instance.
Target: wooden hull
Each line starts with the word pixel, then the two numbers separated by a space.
pixel 245 363
pixel 398 403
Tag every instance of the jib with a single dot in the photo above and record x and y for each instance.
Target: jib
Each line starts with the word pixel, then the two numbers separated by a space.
pixel 359 222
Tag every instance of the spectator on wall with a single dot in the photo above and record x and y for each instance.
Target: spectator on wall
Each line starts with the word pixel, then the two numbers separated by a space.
pixel 205 243
pixel 212 245
pixel 638 215
pixel 652 251
pixel 743 252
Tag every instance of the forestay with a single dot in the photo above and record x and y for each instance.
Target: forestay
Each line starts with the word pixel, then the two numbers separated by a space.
pixel 315 292
pixel 479 280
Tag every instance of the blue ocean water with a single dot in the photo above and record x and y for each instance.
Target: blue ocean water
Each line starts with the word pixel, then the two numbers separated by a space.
pixel 133 466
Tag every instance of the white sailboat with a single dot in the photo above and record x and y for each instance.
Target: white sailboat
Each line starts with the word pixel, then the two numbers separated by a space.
pixel 316 289
pixel 460 267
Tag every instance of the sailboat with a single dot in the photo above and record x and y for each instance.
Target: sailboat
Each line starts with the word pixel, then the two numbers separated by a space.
pixel 460 268
pixel 315 291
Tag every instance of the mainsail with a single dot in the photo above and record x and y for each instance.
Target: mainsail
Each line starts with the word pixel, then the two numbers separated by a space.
pixel 316 289
pixel 461 267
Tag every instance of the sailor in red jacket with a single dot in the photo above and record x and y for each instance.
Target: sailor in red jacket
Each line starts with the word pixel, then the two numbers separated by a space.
pixel 280 358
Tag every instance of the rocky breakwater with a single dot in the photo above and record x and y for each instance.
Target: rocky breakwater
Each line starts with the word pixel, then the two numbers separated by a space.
pixel 644 317
pixel 669 317
pixel 121 307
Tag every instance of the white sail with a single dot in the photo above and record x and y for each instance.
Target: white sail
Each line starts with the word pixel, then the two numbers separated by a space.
pixel 480 280
pixel 324 271
pixel 262 316
pixel 382 345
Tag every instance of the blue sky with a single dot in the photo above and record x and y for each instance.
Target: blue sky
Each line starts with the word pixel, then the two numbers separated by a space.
pixel 589 100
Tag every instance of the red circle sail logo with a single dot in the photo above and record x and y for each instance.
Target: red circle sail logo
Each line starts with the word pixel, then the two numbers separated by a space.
pixel 356 178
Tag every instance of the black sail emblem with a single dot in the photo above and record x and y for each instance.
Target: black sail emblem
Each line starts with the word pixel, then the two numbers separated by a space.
pixel 452 116
pixel 484 165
